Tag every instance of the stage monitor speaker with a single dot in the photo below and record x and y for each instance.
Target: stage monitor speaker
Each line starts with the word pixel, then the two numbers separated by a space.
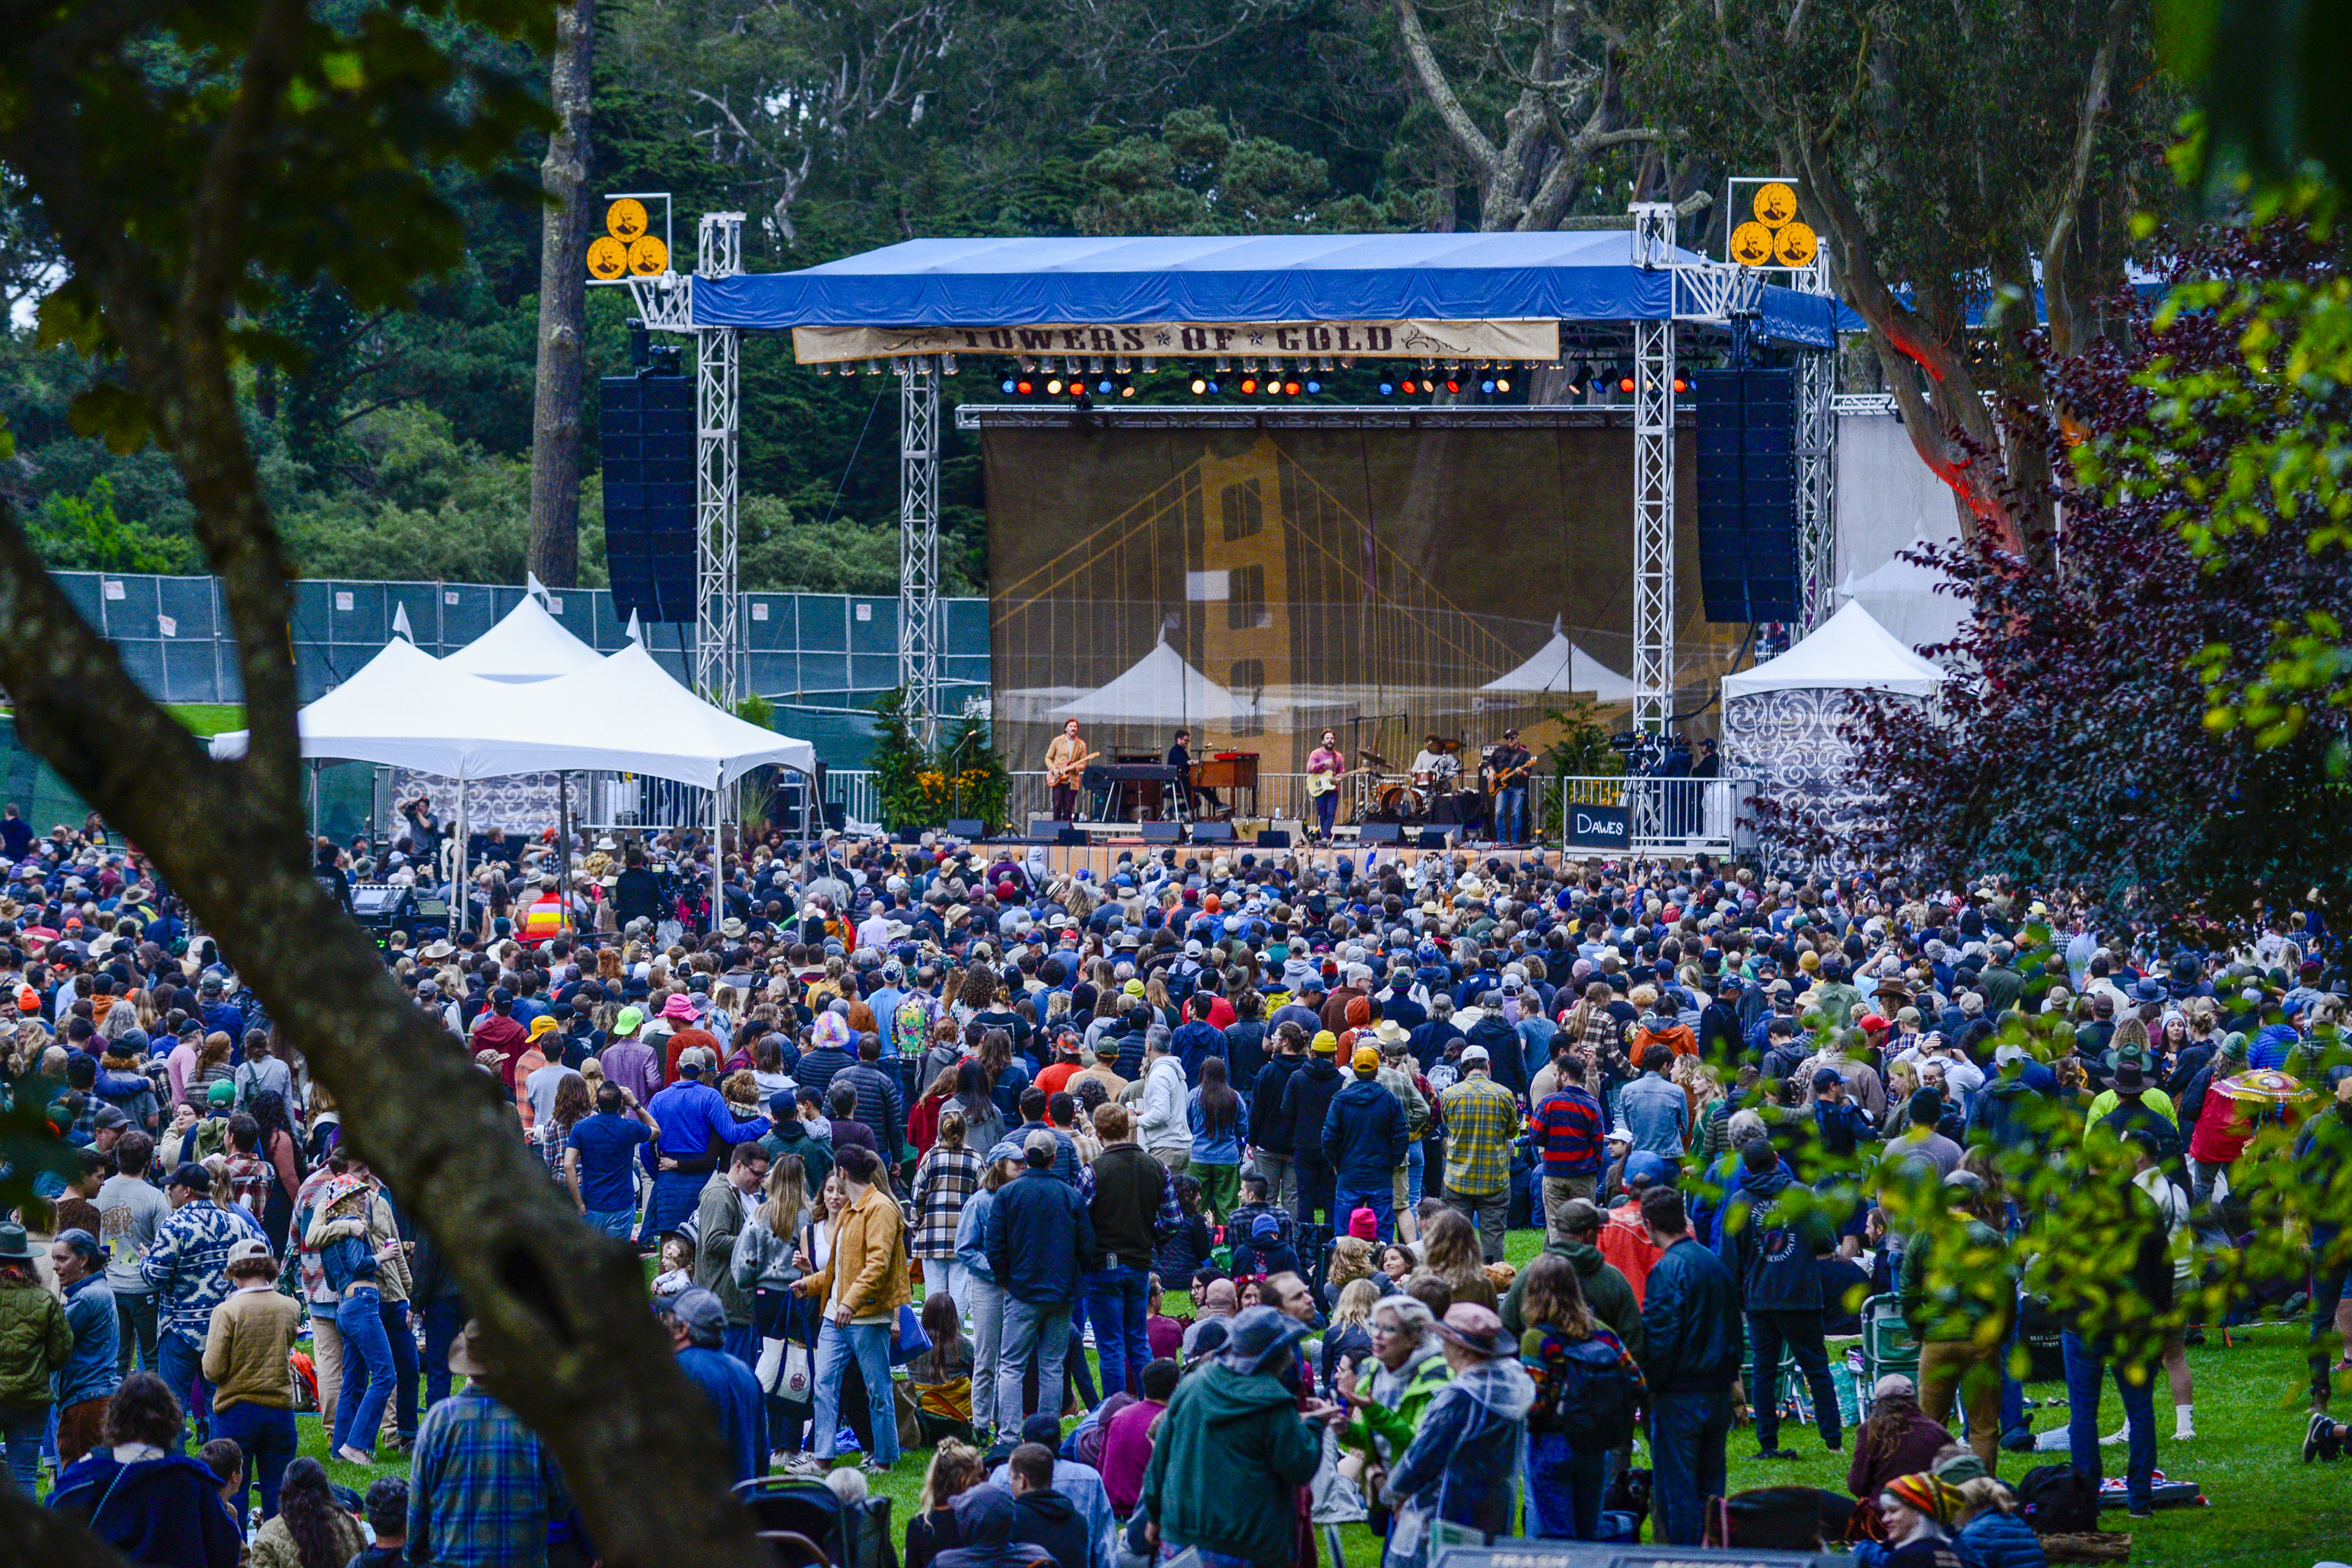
pixel 1748 494
pixel 1433 838
pixel 646 463
pixel 1379 833
pixel 1162 833
pixel 1043 826
pixel 1069 835
pixel 1272 838
pixel 967 828
pixel 836 816
pixel 1213 832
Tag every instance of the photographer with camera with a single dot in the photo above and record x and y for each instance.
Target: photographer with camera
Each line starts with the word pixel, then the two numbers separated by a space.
pixel 639 893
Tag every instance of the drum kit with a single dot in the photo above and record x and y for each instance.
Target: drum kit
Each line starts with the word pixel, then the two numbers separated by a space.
pixel 1424 796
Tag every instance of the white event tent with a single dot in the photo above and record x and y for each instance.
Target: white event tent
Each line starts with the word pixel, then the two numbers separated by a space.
pixel 1848 652
pixel 1158 688
pixel 1560 665
pixel 501 706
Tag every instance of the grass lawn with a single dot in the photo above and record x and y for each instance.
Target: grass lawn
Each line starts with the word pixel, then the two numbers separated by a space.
pixel 2269 1509
pixel 202 718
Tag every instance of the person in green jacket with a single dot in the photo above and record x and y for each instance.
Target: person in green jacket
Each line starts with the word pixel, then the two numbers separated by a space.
pixel 1608 1295
pixel 1959 1311
pixel 1233 1448
pixel 35 1341
pixel 1388 1406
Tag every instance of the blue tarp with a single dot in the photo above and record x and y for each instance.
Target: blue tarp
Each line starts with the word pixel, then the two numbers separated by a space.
pixel 1584 276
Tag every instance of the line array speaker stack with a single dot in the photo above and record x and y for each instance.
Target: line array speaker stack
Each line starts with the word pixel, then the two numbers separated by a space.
pixel 1748 494
pixel 645 452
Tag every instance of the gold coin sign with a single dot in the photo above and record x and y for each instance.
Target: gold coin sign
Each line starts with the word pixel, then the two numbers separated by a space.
pixel 1775 204
pixel 625 220
pixel 608 258
pixel 1751 245
pixel 648 257
pixel 1794 246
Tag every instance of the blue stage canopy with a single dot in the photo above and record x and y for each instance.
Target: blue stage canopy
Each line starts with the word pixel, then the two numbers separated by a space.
pixel 1579 276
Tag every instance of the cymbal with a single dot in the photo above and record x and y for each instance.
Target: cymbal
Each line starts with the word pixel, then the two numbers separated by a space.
pixel 1374 757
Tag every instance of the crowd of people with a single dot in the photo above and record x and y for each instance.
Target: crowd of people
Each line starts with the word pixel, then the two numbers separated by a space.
pixel 920 1125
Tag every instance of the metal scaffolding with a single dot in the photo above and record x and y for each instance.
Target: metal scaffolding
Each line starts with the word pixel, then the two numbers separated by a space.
pixel 920 626
pixel 718 411
pixel 1817 466
pixel 1653 484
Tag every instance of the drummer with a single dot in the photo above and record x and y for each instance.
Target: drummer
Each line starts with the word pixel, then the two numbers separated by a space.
pixel 1431 761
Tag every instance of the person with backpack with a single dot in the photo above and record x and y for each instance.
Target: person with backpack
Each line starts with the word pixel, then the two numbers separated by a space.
pixel 1587 1393
pixel 1769 1252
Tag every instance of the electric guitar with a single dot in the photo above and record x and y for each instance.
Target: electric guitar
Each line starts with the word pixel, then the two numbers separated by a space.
pixel 1498 782
pixel 1321 784
pixel 1067 773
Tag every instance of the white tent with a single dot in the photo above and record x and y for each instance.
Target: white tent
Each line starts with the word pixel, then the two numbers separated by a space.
pixel 1914 602
pixel 629 714
pixel 1560 665
pixel 1158 688
pixel 527 645
pixel 626 713
pixel 1848 652
pixel 406 709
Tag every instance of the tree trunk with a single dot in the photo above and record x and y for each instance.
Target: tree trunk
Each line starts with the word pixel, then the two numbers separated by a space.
pixel 562 305
pixel 580 1359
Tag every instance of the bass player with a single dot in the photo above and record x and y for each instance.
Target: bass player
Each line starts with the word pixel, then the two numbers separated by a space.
pixel 1507 767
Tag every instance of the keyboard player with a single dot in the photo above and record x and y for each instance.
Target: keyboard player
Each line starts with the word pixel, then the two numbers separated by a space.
pixel 1180 757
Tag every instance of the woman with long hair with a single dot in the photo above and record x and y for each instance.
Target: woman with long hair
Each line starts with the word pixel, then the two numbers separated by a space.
pixel 1006 1077
pixel 955 1468
pixel 940 1378
pixel 1452 1253
pixel 983 1124
pixel 945 1180
pixel 765 1265
pixel 311 1530
pixel 1565 1466
pixel 1897 1439
pixel 1220 1122
pixel 923 1117
pixel 282 1148
pixel 572 1106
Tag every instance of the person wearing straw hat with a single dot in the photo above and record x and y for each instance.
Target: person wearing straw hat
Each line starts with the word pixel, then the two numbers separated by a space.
pixel 1457 1484
pixel 482 1486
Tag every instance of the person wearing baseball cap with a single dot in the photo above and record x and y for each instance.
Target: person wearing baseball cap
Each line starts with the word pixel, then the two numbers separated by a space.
pixel 1363 1140
pixel 1482 1120
pixel 697 1127
pixel 696 1321
pixel 252 1333
pixel 186 1264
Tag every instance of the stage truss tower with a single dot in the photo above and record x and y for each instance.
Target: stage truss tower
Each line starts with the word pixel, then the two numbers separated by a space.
pixel 920 618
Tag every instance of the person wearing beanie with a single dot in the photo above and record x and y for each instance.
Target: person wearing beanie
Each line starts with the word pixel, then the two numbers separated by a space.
pixel 1916 1510
pixel 1363 1140
pixel 1364 1225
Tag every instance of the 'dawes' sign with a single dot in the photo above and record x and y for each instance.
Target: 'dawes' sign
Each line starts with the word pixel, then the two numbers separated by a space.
pixel 1478 341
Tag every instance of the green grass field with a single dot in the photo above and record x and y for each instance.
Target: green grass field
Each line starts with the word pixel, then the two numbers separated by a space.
pixel 2269 1509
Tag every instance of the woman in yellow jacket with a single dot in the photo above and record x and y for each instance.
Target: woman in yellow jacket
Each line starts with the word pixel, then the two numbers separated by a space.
pixel 863 1283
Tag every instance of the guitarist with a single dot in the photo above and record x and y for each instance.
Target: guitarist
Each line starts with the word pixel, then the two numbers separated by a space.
pixel 1507 765
pixel 1324 767
pixel 1066 759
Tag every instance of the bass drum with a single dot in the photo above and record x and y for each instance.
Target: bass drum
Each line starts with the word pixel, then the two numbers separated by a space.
pixel 1400 802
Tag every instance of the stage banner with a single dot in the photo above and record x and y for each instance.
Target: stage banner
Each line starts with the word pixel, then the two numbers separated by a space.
pixel 1480 342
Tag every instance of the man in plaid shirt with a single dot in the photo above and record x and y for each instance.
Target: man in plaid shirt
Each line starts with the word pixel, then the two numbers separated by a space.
pixel 482 1488
pixel 1482 1118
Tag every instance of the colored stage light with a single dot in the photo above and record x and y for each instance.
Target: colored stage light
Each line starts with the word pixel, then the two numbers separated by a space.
pixel 1127 391
pixel 1212 388
pixel 1199 386
pixel 1053 387
pixel 1249 385
pixel 1453 386
pixel 1290 389
pixel 1681 386
pixel 1388 388
pixel 1409 388
pixel 1078 388
pixel 1313 388
pixel 1502 383
pixel 1008 386
pixel 1488 387
pixel 1624 383
pixel 1105 388
pixel 1023 388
